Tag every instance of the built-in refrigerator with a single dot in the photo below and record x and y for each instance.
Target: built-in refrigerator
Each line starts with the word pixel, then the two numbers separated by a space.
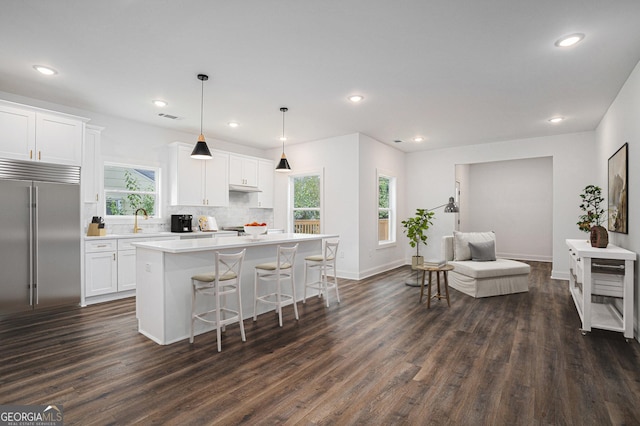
pixel 40 235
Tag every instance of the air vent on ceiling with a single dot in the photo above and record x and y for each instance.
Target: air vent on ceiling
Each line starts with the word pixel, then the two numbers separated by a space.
pixel 397 141
pixel 172 117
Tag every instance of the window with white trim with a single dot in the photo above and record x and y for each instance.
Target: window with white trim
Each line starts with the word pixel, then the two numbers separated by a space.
pixel 386 208
pixel 129 187
pixel 306 207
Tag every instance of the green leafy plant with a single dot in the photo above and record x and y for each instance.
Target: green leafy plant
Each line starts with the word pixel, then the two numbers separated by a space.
pixel 416 228
pixel 593 214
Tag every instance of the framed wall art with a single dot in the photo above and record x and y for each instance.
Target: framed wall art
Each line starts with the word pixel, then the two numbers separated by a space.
pixel 618 190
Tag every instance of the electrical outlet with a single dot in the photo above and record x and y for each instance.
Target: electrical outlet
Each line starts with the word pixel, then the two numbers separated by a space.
pixel 147 267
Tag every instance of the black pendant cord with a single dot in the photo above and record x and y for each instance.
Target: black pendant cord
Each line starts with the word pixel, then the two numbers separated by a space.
pixel 283 109
pixel 201 104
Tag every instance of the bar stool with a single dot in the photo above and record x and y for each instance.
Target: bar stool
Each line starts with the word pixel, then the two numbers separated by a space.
pixel 281 269
pixel 223 281
pixel 323 263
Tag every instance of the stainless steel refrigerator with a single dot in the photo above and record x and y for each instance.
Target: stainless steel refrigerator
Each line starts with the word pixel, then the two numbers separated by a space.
pixel 40 235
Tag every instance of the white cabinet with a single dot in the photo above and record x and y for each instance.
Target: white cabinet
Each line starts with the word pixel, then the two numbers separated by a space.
pixel 110 267
pixel 243 170
pixel 59 139
pixel 216 179
pixel 17 132
pixel 601 284
pixel 266 171
pixel 198 182
pixel 91 164
pixel 100 267
pixel 32 134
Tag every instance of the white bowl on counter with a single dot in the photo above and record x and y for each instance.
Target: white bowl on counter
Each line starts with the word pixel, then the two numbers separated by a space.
pixel 254 231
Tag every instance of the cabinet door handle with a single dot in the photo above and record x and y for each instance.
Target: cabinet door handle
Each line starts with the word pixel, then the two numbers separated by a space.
pixel 96 197
pixel 101 245
pixel 30 154
pixel 114 256
pixel 39 155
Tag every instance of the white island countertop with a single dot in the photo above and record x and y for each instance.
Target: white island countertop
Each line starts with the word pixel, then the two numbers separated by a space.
pixel 195 245
pixel 164 270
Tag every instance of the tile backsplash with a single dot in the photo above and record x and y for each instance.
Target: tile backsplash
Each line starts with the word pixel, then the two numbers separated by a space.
pixel 238 213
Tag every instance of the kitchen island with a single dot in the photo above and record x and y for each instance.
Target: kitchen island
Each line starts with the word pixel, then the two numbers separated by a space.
pixel 164 270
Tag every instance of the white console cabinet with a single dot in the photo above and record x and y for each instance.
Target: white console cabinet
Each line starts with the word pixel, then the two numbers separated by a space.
pixel 601 284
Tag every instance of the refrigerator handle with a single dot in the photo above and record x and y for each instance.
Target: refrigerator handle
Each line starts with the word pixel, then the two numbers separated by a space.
pixel 34 243
pixel 31 245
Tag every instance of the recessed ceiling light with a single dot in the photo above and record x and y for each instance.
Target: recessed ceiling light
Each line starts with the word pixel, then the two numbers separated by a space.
pixel 418 139
pixel 356 98
pixel 233 124
pixel 556 119
pixel 569 40
pixel 160 103
pixel 45 70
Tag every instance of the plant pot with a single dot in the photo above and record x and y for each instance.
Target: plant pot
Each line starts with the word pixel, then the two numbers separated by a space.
pixel 599 237
pixel 417 260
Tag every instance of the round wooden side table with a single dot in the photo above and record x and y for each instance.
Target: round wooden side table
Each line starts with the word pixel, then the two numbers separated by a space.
pixel 444 269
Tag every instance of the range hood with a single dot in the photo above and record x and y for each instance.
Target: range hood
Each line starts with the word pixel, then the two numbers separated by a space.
pixel 243 188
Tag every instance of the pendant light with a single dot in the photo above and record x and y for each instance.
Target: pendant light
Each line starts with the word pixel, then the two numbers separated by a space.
pixel 283 165
pixel 201 150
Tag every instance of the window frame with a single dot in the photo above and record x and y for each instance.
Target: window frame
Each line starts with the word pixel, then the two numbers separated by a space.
pixel 392 209
pixel 291 194
pixel 158 190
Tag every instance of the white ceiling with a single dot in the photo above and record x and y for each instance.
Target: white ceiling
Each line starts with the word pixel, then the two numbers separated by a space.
pixel 455 72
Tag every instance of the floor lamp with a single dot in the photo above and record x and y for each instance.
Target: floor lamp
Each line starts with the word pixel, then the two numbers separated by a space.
pixel 450 207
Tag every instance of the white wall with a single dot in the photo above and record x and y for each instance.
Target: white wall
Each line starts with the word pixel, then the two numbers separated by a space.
pixel 350 197
pixel 621 124
pixel 337 159
pixel 374 156
pixel 573 166
pixel 515 200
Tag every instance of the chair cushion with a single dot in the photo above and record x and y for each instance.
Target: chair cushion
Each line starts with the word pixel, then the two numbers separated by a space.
pixel 317 258
pixel 211 277
pixel 483 252
pixel 461 240
pixel 272 266
pixel 499 268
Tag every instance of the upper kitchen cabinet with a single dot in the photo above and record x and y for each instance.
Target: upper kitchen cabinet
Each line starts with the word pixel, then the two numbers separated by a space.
pixel 243 171
pixel 17 132
pixel 32 134
pixel 91 166
pixel 265 183
pixel 198 182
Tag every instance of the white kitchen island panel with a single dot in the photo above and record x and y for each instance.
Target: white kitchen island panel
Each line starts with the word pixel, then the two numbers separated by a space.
pixel 164 270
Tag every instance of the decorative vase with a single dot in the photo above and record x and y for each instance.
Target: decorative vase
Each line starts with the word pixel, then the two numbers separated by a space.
pixel 417 261
pixel 599 237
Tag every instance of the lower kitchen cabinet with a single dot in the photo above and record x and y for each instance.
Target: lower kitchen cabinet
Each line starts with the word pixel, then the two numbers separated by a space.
pixel 110 267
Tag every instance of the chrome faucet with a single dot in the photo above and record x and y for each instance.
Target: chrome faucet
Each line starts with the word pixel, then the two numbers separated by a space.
pixel 135 220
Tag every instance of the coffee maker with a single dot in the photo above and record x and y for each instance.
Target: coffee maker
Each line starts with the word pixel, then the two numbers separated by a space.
pixel 181 223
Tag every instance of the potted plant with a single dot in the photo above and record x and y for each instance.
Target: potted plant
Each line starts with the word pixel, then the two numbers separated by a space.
pixel 593 216
pixel 416 229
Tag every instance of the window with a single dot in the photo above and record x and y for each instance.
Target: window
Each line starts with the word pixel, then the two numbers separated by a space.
pixel 128 188
pixel 307 190
pixel 386 208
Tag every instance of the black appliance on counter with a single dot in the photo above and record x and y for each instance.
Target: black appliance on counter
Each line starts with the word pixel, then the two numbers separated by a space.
pixel 181 223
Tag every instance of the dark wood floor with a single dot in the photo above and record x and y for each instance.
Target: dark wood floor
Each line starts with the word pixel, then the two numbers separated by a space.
pixel 377 358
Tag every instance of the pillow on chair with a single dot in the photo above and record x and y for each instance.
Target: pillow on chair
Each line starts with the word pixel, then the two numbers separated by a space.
pixel 461 240
pixel 483 252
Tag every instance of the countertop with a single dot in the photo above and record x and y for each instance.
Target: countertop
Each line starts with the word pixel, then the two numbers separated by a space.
pixel 205 244
pixel 158 234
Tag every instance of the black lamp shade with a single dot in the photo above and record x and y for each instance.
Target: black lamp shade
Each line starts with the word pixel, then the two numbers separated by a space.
pixel 201 150
pixel 283 165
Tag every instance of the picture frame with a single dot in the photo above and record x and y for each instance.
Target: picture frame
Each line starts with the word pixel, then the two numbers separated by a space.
pixel 618 206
